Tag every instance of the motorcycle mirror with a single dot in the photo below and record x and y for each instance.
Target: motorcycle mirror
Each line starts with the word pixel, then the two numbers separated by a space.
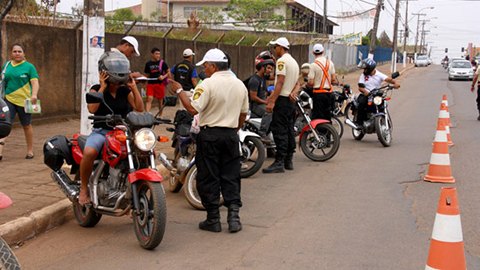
pixel 395 75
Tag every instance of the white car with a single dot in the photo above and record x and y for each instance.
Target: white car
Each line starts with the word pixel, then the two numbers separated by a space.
pixel 460 69
pixel 421 61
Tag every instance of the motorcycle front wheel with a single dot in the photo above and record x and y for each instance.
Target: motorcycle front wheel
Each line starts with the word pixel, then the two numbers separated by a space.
pixel 190 189
pixel 337 124
pixel 384 134
pixel 324 148
pixel 149 223
pixel 8 260
pixel 253 156
pixel 349 112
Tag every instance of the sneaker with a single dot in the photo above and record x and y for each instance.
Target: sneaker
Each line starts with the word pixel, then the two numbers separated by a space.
pixel 266 139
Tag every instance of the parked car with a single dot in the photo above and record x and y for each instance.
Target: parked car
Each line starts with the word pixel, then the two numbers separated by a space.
pixel 429 61
pixel 421 61
pixel 460 69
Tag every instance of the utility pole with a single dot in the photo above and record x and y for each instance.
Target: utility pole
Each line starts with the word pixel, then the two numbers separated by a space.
pixel 325 18
pixel 395 31
pixel 418 24
pixel 373 37
pixel 93 27
pixel 422 38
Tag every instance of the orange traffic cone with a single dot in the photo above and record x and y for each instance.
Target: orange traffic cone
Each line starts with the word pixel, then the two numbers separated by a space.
pixel 444 119
pixel 445 101
pixel 446 245
pixel 439 170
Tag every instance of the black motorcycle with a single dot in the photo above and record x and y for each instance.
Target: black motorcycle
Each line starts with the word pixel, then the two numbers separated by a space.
pixel 378 118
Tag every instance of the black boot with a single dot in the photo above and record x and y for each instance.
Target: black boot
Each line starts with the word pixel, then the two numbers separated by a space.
pixel 233 219
pixel 288 163
pixel 276 167
pixel 212 223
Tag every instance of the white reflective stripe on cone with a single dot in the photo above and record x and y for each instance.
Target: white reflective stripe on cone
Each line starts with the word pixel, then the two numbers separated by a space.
pixel 441 136
pixel 442 114
pixel 447 228
pixel 430 268
pixel 440 159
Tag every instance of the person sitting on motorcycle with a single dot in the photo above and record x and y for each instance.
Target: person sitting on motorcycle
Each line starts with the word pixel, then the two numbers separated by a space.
pixel 303 79
pixel 370 79
pixel 121 94
pixel 257 86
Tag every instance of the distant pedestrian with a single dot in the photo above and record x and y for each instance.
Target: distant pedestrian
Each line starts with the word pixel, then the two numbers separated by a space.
pixel 286 77
pixel 156 69
pixel 128 45
pixel 475 79
pixel 222 104
pixel 21 83
pixel 185 72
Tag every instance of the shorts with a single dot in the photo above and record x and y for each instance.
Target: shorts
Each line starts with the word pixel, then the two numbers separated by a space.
pixel 156 90
pixel 96 139
pixel 25 118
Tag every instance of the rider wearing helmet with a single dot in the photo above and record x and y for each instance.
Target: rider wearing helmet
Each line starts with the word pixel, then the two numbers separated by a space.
pixel 121 94
pixel 370 79
pixel 257 87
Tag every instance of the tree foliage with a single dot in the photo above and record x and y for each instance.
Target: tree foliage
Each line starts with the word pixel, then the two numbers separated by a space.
pixel 385 41
pixel 211 15
pixel 258 14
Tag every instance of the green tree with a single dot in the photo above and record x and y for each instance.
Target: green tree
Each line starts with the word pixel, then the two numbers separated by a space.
pixel 385 40
pixel 211 15
pixel 125 14
pixel 258 14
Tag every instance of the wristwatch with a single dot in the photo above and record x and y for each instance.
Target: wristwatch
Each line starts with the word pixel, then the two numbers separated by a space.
pixel 179 90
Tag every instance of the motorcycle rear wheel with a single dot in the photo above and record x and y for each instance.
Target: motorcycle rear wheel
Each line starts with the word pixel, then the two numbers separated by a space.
pixel 384 135
pixel 327 147
pixel 253 156
pixel 149 224
pixel 8 260
pixel 190 189
pixel 337 124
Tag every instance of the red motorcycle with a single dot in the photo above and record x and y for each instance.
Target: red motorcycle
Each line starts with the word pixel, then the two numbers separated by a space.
pixel 124 178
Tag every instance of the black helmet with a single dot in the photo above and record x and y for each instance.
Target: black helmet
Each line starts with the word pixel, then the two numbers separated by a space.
pixel 368 65
pixel 116 65
pixel 264 58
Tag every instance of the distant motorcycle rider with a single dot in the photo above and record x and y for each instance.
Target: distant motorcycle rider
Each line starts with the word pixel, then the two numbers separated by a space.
pixel 257 87
pixel 370 79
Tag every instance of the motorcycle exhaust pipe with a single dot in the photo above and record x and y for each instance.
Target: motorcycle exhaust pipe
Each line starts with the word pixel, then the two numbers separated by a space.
pixel 165 162
pixel 62 179
pixel 351 124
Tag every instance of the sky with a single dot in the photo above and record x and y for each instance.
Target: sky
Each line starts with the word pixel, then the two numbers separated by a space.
pixel 452 23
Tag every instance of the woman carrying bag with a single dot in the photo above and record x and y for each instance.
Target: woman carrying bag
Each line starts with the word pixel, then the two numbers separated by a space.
pixel 20 84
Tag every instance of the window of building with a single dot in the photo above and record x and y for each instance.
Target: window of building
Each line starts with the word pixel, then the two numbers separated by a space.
pixel 188 10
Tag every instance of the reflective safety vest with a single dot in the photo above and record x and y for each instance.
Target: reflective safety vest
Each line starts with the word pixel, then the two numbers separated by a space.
pixel 325 78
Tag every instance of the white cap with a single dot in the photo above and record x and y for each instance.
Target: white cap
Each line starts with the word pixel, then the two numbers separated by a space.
pixel 133 41
pixel 188 52
pixel 282 41
pixel 318 48
pixel 213 55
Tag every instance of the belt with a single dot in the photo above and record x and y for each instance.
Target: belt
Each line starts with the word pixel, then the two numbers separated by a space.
pixel 322 90
pixel 216 128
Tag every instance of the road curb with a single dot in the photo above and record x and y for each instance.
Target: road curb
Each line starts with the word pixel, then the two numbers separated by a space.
pixel 24 228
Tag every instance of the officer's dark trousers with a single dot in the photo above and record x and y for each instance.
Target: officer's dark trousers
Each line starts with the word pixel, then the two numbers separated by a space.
pixel 218 167
pixel 322 106
pixel 282 127
pixel 478 98
pixel 362 109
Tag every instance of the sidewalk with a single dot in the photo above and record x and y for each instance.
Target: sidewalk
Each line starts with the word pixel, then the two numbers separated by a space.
pixel 38 203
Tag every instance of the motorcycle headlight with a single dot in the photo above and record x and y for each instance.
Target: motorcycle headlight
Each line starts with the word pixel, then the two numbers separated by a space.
pixel 377 100
pixel 145 139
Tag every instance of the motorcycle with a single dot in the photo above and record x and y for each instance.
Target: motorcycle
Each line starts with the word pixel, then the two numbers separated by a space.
pixel 124 179
pixel 8 260
pixel 339 99
pixel 378 118
pixel 318 134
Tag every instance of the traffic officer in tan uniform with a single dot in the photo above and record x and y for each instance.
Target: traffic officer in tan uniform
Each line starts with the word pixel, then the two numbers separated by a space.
pixel 222 104
pixel 322 78
pixel 286 77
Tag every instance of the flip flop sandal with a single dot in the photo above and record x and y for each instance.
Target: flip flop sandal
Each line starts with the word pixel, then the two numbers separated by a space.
pixel 29 156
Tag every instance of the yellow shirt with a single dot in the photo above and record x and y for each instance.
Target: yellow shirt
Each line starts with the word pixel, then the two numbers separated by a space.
pixel 220 99
pixel 287 66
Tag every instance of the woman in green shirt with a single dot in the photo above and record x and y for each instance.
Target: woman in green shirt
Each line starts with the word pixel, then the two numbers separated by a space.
pixel 21 83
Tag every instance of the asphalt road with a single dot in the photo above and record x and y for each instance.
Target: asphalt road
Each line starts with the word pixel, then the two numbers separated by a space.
pixel 367 208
